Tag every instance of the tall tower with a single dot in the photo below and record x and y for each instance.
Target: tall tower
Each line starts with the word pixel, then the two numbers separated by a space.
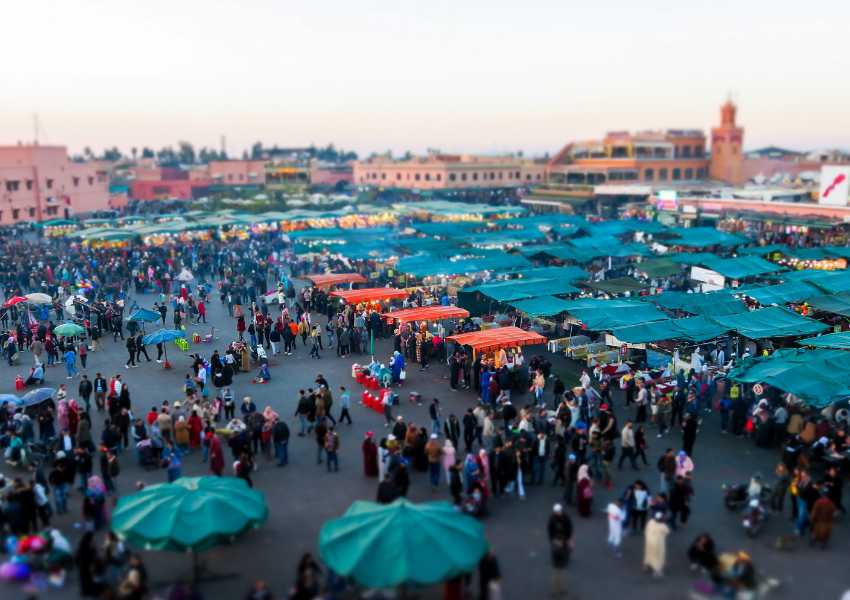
pixel 727 161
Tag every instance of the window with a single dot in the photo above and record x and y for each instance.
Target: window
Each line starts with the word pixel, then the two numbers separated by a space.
pixel 677 174
pixel 528 177
pixel 12 185
pixel 416 177
pixel 75 181
pixel 500 174
pixel 16 212
pixel 648 175
pixel 398 176
pixel 91 179
pixel 689 174
pixel 32 212
pixel 439 177
pixel 29 184
pixel 492 176
pixel 701 173
pixel 662 174
pixel 463 176
pixel 383 175
pixel 475 177
pixel 698 151
pixel 518 175
pixel 539 176
pixel 52 210
pixel 427 177
pixel 452 176
pixel 686 151
pixel 49 184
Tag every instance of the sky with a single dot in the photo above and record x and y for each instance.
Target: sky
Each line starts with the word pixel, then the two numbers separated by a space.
pixel 458 75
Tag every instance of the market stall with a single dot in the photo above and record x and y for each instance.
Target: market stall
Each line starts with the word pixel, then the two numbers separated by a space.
pixel 426 313
pixel 331 279
pixel 491 340
pixel 369 295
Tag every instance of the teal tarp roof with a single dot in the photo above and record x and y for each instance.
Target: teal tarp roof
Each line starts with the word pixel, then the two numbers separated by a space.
pixel 701 237
pixel 600 315
pixel 544 306
pixel 740 267
pixel 833 282
pixel 762 250
pixel 692 329
pixel 772 321
pixel 838 304
pixel 818 377
pixel 842 251
pixel 708 305
pixel 616 228
pixel 617 285
pixel 516 289
pixel 838 341
pixel 807 253
pixel 423 265
pixel 571 274
pixel 449 229
pixel 782 293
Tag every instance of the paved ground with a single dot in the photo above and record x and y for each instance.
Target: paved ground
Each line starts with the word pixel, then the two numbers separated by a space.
pixel 302 496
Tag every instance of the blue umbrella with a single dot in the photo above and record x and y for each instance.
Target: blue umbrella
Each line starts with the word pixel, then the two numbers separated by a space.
pixel 9 398
pixel 36 397
pixel 163 335
pixel 144 314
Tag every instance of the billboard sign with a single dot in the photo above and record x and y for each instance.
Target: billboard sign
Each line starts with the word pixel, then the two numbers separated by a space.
pixel 834 185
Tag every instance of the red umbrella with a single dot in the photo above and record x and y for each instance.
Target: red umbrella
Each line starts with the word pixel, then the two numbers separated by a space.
pixel 15 300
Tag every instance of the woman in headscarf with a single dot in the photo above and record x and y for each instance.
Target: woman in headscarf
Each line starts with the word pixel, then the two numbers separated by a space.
pixel 86 560
pixel 397 366
pixel 448 457
pixel 73 417
pixel 181 433
pixel 370 456
pixel 655 544
pixel 62 414
pixel 471 474
pixel 216 456
pixel 585 491
pixel 94 503
pixel 483 461
pixel 196 426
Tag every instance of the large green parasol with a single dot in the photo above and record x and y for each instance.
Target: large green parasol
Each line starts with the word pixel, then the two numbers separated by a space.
pixel 383 546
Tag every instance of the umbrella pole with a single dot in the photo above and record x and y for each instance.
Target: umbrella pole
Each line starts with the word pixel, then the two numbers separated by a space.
pixel 166 364
pixel 196 567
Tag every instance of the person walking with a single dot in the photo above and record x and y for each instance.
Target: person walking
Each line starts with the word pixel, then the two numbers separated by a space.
pixel 85 391
pixel 280 436
pixel 332 450
pixel 140 348
pixel 345 404
pixel 616 517
pixel 434 452
pixel 627 440
pixel 655 545
pixel 560 531
pixel 131 352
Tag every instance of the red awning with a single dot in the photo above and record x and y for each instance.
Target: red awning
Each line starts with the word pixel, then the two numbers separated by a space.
pixel 427 313
pixel 329 279
pixel 369 294
pixel 500 337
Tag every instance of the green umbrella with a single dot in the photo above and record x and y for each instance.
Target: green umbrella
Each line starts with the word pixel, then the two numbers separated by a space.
pixel 191 514
pixel 383 546
pixel 68 330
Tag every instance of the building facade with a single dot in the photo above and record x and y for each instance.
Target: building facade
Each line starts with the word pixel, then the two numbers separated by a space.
pixel 650 157
pixel 727 140
pixel 39 183
pixel 448 171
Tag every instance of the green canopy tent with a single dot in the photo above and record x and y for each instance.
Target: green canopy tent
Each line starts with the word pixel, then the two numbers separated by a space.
pixel 543 306
pixel 781 293
pixel 659 267
pixel 708 304
pixel 838 304
pixel 618 285
pixel 836 341
pixel 818 377
pixel 762 250
pixel 385 546
pixel 601 315
pixel 702 237
pixel 691 329
pixel 772 321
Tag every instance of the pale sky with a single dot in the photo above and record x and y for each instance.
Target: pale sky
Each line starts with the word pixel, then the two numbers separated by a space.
pixel 459 75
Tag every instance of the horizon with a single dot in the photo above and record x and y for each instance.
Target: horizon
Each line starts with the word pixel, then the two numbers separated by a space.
pixel 481 78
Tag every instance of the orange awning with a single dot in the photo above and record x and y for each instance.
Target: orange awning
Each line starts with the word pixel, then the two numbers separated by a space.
pixel 329 279
pixel 500 337
pixel 369 294
pixel 427 313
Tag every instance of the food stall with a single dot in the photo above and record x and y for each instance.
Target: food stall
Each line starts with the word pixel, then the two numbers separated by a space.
pixel 490 341
pixel 332 279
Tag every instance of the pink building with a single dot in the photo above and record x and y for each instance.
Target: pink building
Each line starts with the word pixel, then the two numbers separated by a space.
pixel 39 183
pixel 446 171
pixel 330 174
pixel 237 172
